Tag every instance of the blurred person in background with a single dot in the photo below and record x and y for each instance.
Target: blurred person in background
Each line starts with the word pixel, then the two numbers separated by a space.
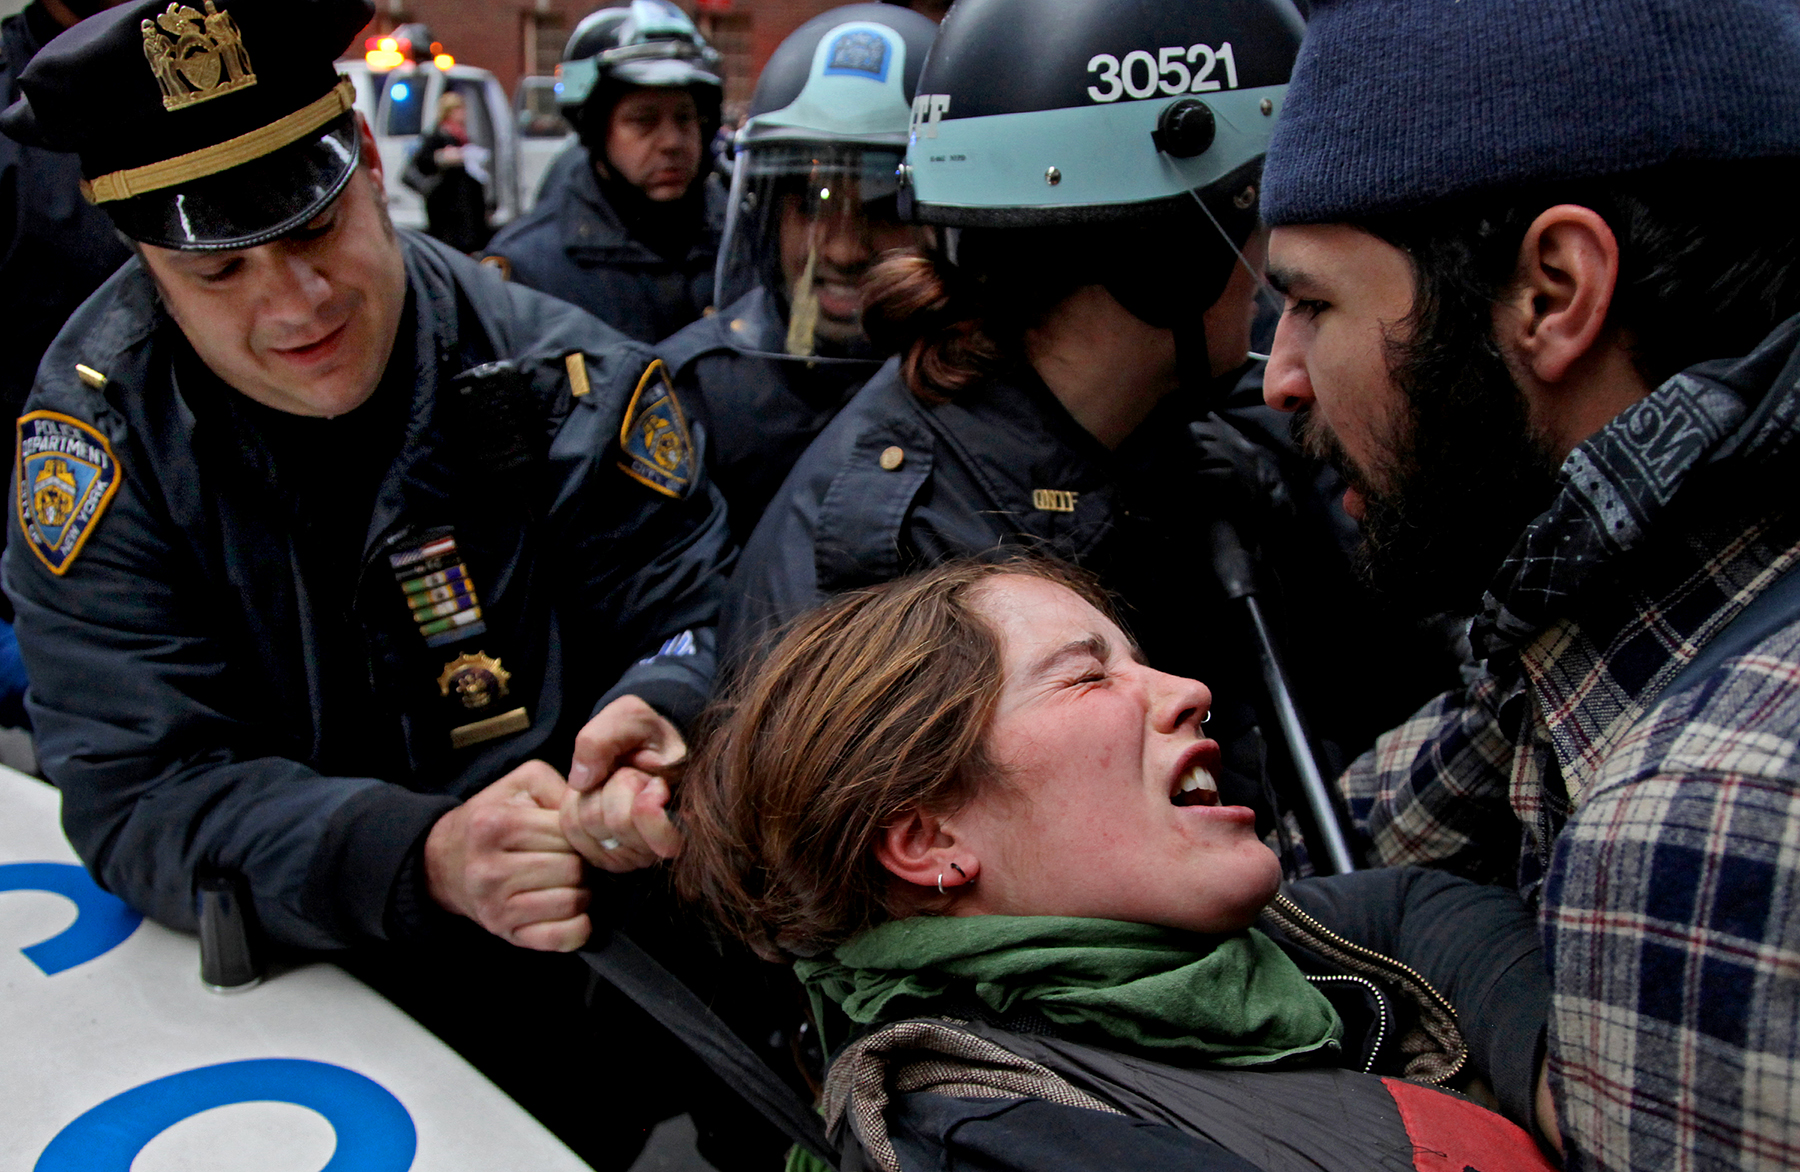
pixel 451 173
pixel 813 205
pixel 627 226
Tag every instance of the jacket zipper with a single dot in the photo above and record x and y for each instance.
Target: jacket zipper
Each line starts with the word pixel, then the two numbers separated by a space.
pixel 1381 1012
pixel 1290 908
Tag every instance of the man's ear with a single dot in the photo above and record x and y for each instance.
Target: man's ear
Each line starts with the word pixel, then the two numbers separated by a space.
pixel 1556 310
pixel 371 155
pixel 921 848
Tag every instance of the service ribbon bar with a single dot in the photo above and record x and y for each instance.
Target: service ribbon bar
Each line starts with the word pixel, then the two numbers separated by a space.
pixel 437 588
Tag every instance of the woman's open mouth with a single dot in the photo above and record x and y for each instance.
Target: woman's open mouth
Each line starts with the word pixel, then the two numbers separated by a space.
pixel 1198 787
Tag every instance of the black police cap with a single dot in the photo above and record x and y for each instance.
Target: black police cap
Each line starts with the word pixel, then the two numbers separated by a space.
pixel 221 125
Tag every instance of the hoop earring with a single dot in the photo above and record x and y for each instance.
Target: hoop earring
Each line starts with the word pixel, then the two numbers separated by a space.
pixel 940 883
pixel 959 871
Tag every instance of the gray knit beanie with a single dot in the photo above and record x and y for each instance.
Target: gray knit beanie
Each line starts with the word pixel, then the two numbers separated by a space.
pixel 1396 104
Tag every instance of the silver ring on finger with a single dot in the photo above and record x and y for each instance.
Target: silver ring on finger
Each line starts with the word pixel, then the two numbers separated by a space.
pixel 610 844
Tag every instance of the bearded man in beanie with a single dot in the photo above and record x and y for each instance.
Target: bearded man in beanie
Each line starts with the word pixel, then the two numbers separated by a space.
pixel 331 552
pixel 1542 273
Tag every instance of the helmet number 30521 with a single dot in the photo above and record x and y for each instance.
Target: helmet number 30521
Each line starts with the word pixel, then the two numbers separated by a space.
pixel 1141 75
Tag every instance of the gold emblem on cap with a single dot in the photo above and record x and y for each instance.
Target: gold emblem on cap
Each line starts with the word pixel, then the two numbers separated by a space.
pixel 206 45
pixel 477 678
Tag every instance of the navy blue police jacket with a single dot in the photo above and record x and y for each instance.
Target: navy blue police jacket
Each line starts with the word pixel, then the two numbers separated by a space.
pixel 759 408
pixel 207 702
pixel 894 484
pixel 573 244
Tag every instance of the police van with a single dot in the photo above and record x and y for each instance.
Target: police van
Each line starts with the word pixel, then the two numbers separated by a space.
pixel 407 72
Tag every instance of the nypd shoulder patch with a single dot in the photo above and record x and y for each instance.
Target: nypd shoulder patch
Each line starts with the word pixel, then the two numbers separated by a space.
pixel 66 477
pixel 658 449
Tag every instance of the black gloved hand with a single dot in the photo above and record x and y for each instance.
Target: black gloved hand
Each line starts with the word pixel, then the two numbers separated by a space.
pixel 1240 481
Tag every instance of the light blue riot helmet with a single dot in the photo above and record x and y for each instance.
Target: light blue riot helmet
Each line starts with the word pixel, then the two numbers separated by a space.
pixel 1141 122
pixel 650 43
pixel 815 179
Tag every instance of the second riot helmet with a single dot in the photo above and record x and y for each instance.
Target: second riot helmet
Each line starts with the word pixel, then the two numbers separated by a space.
pixel 651 44
pixel 813 198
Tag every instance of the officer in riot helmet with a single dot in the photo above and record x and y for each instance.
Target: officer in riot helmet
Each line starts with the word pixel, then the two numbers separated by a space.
pixel 627 226
pixel 814 203
pixel 1066 352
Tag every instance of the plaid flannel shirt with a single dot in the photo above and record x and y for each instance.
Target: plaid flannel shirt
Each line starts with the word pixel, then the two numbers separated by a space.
pixel 1665 829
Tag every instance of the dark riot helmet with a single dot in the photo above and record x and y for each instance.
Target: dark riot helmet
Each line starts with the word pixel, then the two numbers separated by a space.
pixel 815 178
pixel 650 43
pixel 1143 121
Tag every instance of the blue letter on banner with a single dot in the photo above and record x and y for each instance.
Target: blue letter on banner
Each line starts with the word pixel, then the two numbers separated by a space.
pixel 374 1132
pixel 102 921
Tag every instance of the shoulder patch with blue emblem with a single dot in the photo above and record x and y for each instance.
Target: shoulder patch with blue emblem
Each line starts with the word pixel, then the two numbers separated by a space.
pixel 659 451
pixel 67 477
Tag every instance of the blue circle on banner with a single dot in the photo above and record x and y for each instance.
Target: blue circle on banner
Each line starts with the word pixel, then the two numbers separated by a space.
pixel 374 1131
pixel 102 920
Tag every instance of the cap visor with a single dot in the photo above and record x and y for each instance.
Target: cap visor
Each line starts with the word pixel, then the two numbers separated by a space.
pixel 249 204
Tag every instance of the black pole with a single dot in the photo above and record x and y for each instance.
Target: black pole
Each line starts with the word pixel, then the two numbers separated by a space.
pixel 1237 574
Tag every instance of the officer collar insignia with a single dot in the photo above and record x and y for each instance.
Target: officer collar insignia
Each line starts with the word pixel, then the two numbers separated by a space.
pixel 654 438
pixel 67 477
pixel 1053 500
pixel 203 56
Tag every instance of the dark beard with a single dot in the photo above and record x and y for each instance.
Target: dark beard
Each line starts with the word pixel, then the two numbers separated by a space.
pixel 1464 476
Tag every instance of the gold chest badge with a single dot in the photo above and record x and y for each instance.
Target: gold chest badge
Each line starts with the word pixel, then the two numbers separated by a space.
pixel 477 679
pixel 205 59
pixel 440 596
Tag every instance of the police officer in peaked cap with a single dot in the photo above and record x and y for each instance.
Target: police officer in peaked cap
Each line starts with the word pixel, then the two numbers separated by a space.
pixel 814 203
pixel 345 571
pixel 627 225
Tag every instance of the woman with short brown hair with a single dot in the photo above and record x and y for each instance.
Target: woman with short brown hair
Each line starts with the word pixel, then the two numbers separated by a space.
pixel 989 836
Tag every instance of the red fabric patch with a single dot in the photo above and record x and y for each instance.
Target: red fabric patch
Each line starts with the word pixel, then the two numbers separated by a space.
pixel 1451 1134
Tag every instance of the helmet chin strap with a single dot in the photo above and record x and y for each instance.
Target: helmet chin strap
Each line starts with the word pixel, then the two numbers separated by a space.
pixel 803 313
pixel 1263 288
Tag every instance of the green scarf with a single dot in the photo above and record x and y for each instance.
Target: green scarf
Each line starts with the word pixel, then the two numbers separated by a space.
pixel 1235 1000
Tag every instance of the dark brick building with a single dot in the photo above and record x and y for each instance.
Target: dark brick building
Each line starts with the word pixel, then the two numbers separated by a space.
pixel 526 36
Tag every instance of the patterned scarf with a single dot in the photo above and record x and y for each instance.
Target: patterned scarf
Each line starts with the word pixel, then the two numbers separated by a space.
pixel 1616 484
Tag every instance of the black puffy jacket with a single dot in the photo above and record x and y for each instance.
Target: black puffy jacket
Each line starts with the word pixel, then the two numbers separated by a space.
pixel 895 484
pixel 1436 979
pixel 573 244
